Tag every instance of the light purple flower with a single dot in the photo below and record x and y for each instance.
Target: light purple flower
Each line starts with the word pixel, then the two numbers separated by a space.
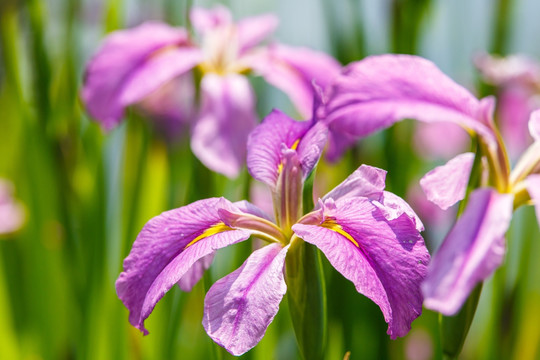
pixel 369 235
pixel 11 212
pixel 141 67
pixel 518 80
pixel 375 93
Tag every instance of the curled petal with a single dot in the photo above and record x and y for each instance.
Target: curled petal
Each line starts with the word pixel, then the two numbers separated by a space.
pixel 123 54
pixel 294 69
pixel 265 145
pixel 366 181
pixel 447 184
pixel 393 207
pixel 386 260
pixel 374 93
pixel 533 187
pixel 166 249
pixel 471 252
pixel 227 116
pixel 239 307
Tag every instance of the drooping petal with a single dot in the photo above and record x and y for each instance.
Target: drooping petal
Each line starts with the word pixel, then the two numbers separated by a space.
pixel 239 307
pixel 374 93
pixel 265 149
pixel 386 260
pixel 204 20
pixel 533 187
pixel 195 273
pixel 534 125
pixel 253 30
pixel 165 250
pixel 227 117
pixel 471 252
pixel 447 184
pixel 294 69
pixel 122 54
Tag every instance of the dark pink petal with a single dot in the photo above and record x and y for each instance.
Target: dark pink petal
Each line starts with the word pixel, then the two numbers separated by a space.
pixel 471 252
pixel 533 187
pixel 253 30
pixel 293 70
pixel 264 144
pixel 204 20
pixel 386 260
pixel 195 273
pixel 374 93
pixel 227 117
pixel 239 307
pixel 163 253
pixel 534 125
pixel 447 184
pixel 123 53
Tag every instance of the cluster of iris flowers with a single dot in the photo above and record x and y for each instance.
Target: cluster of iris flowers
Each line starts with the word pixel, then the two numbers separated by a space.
pixel 371 236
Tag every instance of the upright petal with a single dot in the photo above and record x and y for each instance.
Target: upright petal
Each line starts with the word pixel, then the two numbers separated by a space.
pixel 122 54
pixel 374 93
pixel 386 260
pixel 166 249
pixel 204 20
pixel 265 149
pixel 239 307
pixel 471 252
pixel 366 181
pixel 447 184
pixel 253 30
pixel 533 187
pixel 294 69
pixel 227 117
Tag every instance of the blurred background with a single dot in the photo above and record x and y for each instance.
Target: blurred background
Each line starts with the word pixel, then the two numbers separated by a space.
pixel 81 195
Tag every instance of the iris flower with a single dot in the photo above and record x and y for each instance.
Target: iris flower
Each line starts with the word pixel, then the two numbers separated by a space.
pixel 372 237
pixel 375 93
pixel 11 211
pixel 152 66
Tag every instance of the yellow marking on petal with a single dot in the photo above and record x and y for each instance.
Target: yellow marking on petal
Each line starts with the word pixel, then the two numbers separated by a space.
pixel 334 226
pixel 293 147
pixel 212 230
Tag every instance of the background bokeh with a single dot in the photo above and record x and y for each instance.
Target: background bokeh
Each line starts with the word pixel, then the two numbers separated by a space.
pixel 87 193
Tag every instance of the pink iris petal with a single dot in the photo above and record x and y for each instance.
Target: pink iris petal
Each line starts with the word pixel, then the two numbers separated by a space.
pixel 195 273
pixel 339 140
pixel 447 184
pixel 294 69
pixel 386 262
pixel 253 30
pixel 239 307
pixel 533 187
pixel 514 69
pixel 374 93
pixel 534 125
pixel 204 20
pixel 394 206
pixel 471 252
pixel 226 118
pixel 160 256
pixel 122 53
pixel 366 181
pixel 11 212
pixel 264 144
pixel 157 71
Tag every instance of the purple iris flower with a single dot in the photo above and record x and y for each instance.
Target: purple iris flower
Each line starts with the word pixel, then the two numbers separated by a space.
pixel 151 66
pixel 372 237
pixel 375 93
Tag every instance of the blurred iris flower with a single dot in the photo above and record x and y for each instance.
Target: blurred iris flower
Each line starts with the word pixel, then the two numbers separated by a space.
pixel 11 212
pixel 372 237
pixel 153 66
pixel 517 79
pixel 375 93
